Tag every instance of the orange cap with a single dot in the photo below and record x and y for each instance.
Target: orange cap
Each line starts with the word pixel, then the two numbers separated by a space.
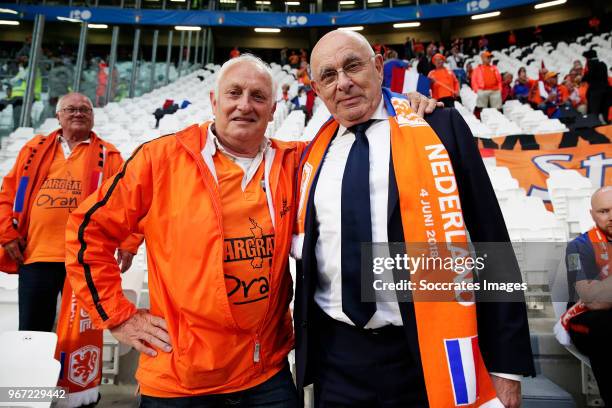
pixel 550 74
pixel 486 54
pixel 438 55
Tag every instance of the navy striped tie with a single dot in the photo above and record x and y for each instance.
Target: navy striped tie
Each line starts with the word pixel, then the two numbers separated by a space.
pixel 356 229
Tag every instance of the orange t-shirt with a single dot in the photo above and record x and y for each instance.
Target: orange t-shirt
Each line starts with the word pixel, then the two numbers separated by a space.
pixel 490 80
pixel 444 83
pixel 58 195
pixel 248 244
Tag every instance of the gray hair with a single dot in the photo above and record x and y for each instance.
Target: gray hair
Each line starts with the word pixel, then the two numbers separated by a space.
pixel 255 60
pixel 60 101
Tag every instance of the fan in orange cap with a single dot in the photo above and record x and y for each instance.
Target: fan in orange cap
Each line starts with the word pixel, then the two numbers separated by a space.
pixel 444 84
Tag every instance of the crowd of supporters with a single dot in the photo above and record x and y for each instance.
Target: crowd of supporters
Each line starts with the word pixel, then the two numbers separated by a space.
pixel 585 88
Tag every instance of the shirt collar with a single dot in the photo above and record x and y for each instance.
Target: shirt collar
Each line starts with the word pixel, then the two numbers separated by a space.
pixel 61 139
pixel 213 144
pixel 379 114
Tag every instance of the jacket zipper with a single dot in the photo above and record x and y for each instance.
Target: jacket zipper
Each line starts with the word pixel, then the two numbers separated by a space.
pixel 257 358
pixel 256 349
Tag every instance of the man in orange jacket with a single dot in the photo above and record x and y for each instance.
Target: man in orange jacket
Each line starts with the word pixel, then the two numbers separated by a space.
pixel 444 84
pixel 487 83
pixel 216 204
pixel 51 176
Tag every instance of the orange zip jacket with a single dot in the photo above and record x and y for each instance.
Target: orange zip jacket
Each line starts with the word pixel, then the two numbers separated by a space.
pixel 20 185
pixel 478 82
pixel 168 190
pixel 444 83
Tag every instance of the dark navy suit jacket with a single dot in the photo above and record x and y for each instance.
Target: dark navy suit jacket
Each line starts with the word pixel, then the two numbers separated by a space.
pixel 502 327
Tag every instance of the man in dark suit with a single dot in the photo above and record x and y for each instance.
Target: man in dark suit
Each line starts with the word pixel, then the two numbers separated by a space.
pixel 373 358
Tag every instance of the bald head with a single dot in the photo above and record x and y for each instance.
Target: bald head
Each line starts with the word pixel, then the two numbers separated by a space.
pixel 601 209
pixel 347 76
pixel 333 38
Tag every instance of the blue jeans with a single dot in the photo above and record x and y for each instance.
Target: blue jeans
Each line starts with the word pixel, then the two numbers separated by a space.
pixel 277 392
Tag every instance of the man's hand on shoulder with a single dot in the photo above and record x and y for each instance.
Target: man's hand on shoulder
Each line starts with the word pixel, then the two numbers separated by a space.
pixel 508 391
pixel 144 331
pixel 421 104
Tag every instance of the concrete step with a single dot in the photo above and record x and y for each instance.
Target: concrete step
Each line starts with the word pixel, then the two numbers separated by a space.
pixel 540 392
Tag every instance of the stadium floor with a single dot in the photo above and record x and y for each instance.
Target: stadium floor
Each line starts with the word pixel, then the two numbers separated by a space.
pixel 118 396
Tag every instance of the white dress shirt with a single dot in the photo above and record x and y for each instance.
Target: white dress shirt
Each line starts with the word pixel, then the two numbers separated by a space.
pixel 249 165
pixel 327 202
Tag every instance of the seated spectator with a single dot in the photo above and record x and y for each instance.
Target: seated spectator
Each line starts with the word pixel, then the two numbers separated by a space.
pixel 589 320
pixel 285 98
pixel 302 75
pixel 522 86
pixel 455 63
pixel 578 67
pixel 455 60
pixel 304 101
pixel 507 91
pixel 574 97
pixel 284 93
pixel 547 95
pixel 487 83
pixel 444 84
pixel 583 88
pixel 294 60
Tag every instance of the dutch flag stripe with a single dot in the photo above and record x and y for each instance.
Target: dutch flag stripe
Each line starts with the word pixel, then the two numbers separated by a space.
pixel 453 352
pixel 462 368
pixel 413 81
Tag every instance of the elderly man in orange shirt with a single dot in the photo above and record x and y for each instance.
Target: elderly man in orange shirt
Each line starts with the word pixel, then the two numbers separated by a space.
pixel 487 83
pixel 51 176
pixel 444 84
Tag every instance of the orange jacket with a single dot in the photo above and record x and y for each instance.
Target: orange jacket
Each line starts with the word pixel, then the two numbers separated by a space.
pixel 478 78
pixel 29 171
pixel 444 83
pixel 168 189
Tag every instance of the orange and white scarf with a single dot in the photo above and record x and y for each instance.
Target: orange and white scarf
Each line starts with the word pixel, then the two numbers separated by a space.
pixel 455 374
pixel 603 261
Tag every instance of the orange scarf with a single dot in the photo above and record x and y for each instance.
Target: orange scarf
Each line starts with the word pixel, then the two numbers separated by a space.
pixel 79 347
pixel 602 259
pixel 455 374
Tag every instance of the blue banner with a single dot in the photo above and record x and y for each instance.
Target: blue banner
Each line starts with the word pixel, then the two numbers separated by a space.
pixel 110 15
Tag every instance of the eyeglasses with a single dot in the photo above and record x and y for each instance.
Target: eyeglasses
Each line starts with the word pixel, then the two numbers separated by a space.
pixel 351 69
pixel 71 110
